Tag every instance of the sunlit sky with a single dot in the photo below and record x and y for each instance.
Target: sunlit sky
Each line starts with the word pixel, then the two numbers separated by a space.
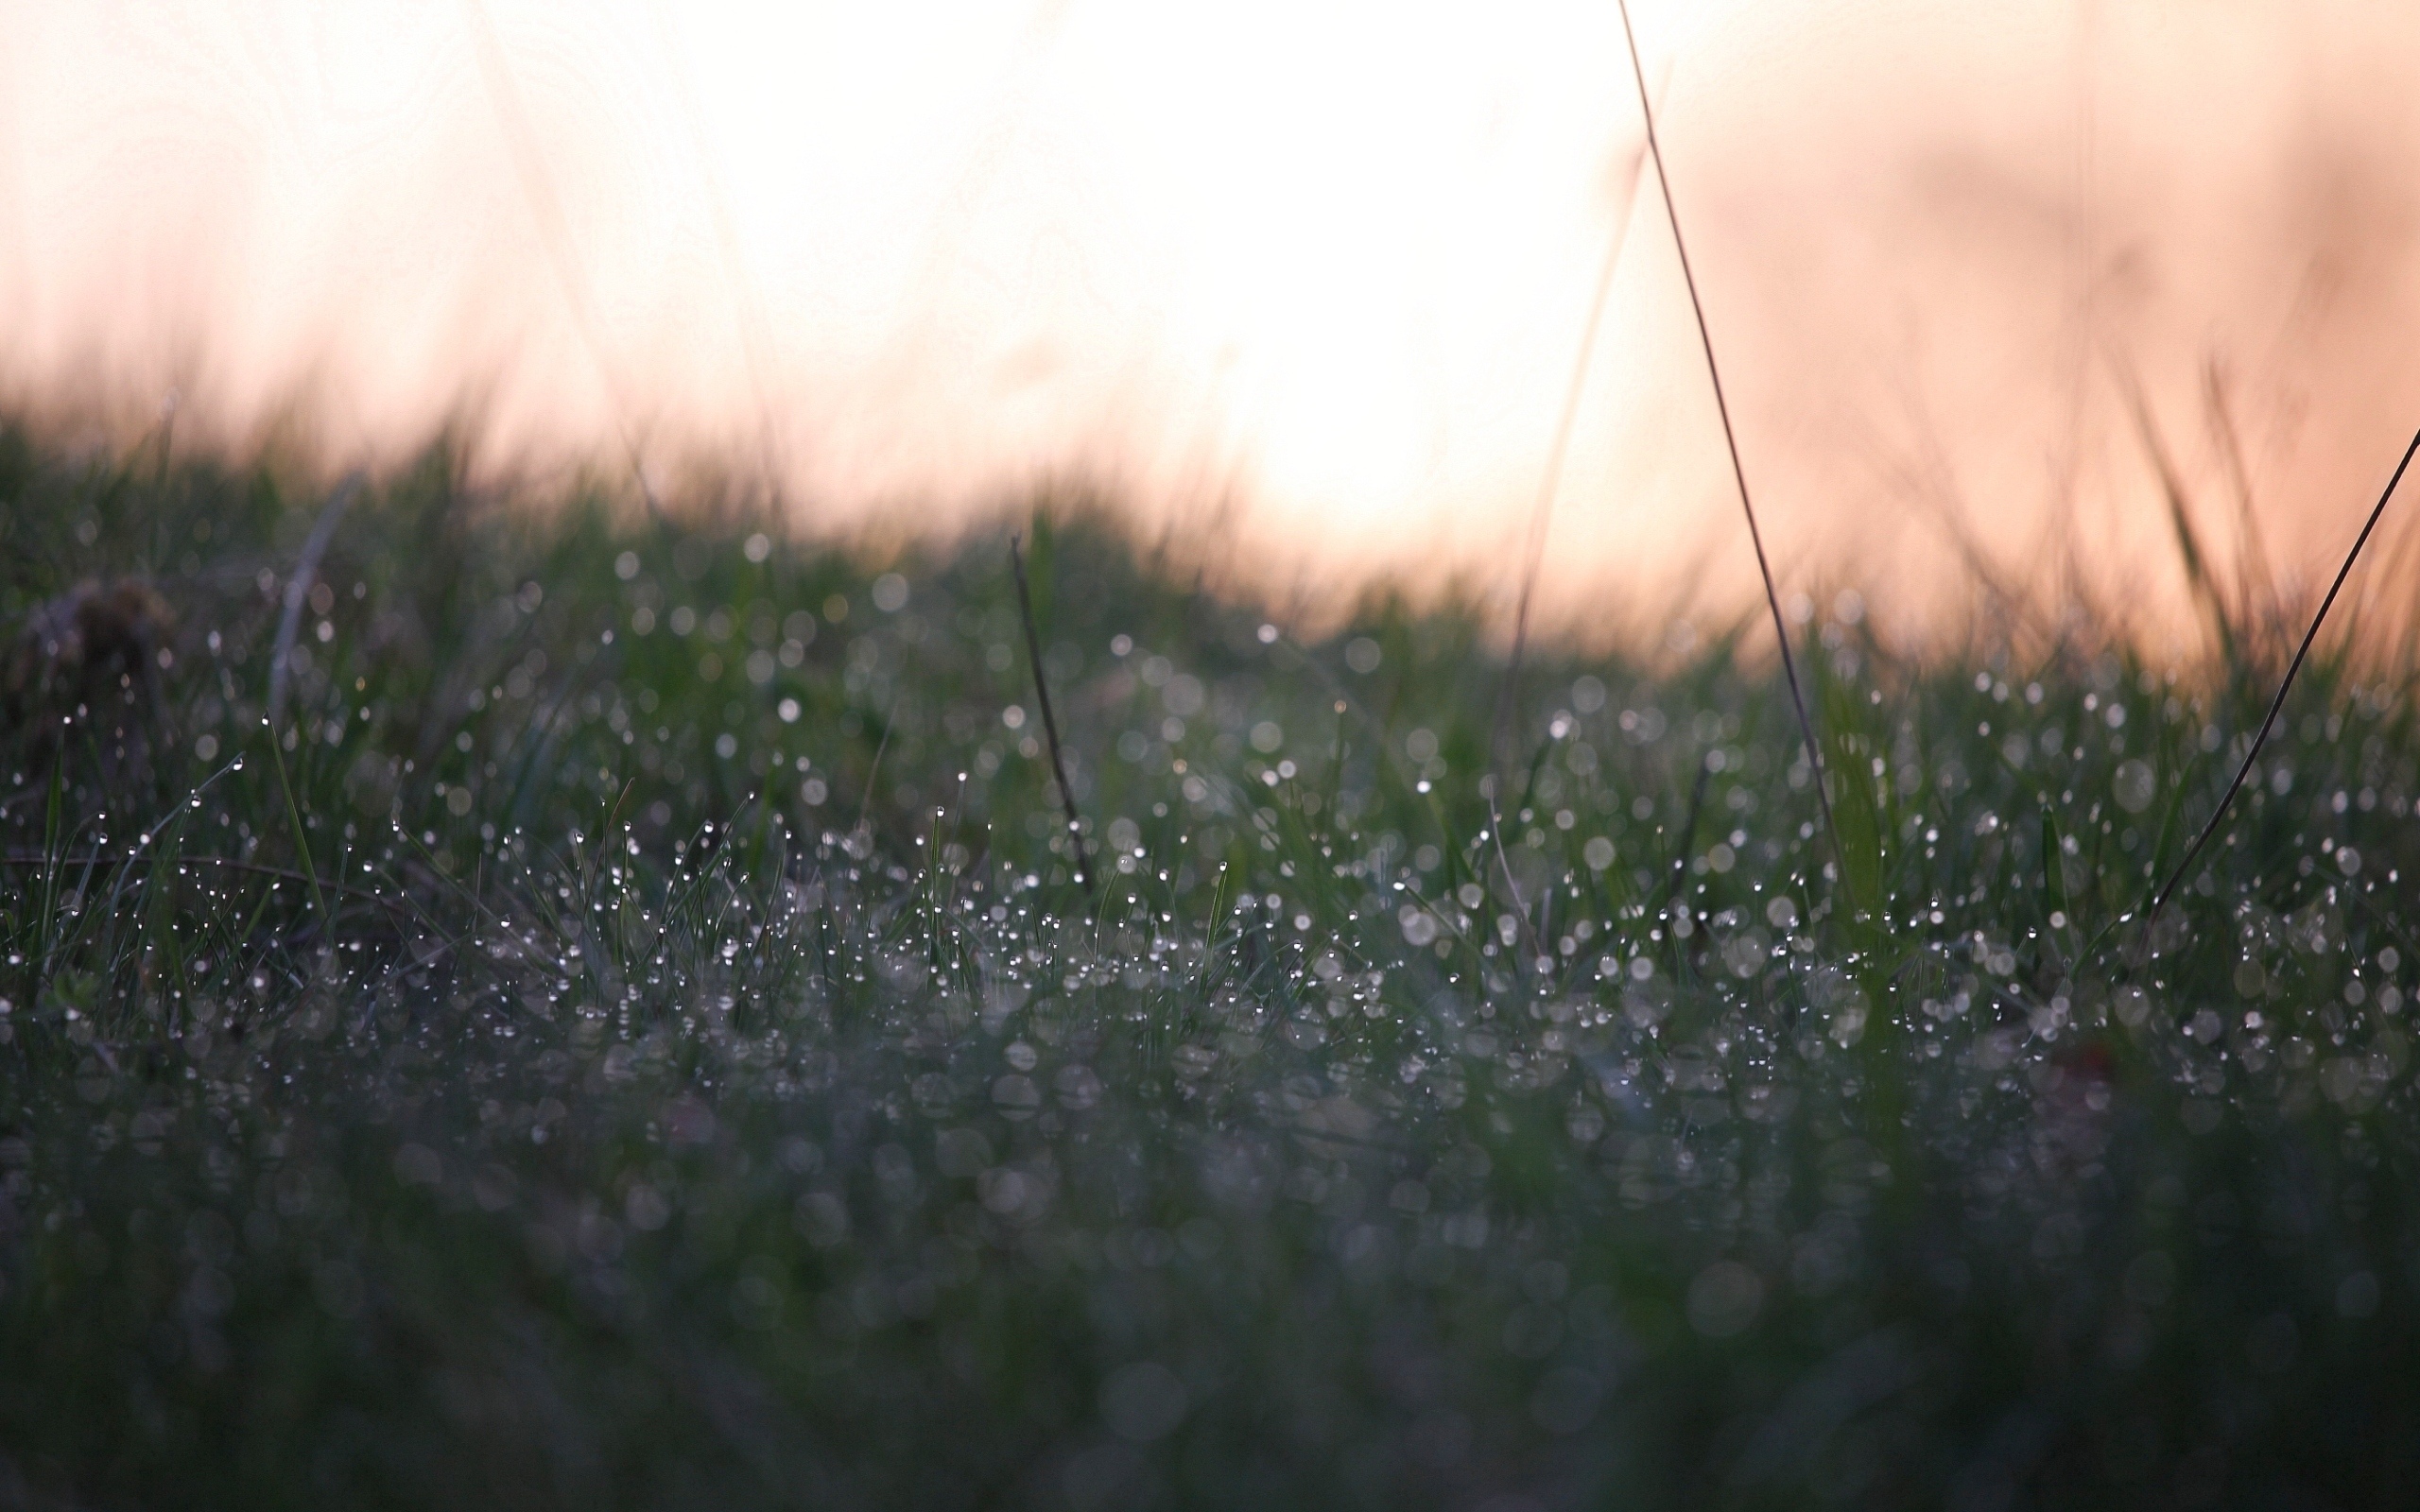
pixel 1324 268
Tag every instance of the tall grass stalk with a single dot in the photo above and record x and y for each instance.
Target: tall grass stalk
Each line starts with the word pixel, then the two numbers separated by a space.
pixel 2285 686
pixel 1075 849
pixel 1738 471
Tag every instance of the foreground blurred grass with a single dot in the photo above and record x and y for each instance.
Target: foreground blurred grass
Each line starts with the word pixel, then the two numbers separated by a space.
pixel 634 1037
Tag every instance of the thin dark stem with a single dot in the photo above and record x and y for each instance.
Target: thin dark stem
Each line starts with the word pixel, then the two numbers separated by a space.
pixel 2276 705
pixel 1050 722
pixel 1731 440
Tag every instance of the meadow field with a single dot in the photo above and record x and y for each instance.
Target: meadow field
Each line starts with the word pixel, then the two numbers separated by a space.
pixel 510 1002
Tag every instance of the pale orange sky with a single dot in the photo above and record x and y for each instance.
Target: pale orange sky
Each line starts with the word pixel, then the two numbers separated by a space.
pixel 1331 262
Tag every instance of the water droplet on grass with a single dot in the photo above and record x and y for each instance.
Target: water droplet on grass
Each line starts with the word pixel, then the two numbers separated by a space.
pixel 2135 785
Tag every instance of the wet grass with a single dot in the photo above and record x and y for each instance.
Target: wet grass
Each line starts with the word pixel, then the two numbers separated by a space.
pixel 633 1035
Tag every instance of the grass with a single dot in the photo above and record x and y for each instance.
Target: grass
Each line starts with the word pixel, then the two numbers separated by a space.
pixel 634 1036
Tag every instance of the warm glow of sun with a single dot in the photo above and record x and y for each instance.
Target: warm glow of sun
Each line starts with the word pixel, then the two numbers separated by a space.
pixel 1327 264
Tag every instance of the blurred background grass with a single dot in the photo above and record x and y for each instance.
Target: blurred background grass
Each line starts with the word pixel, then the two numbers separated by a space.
pixel 629 1032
